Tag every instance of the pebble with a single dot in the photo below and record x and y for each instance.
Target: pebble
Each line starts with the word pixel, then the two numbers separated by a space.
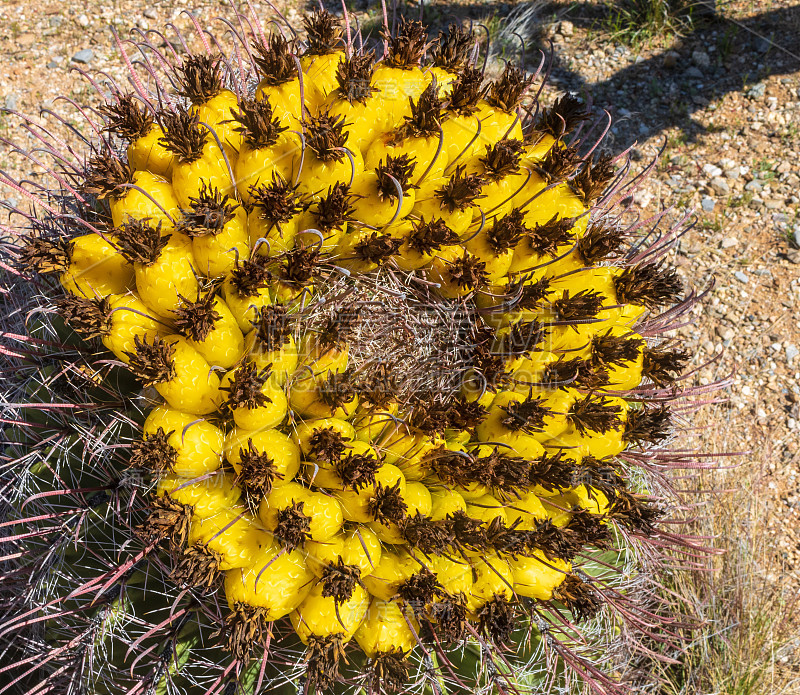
pixel 143 24
pixel 11 101
pixel 26 40
pixel 708 204
pixel 711 170
pixel 753 186
pixel 671 59
pixel 791 352
pixel 729 242
pixel 150 13
pixel 756 91
pixel 725 332
pixel 694 72
pixel 566 28
pixel 762 45
pixel 83 21
pixel 84 56
pixel 720 186
pixel 741 277
pixel 701 59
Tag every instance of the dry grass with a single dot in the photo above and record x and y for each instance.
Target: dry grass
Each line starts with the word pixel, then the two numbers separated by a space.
pixel 748 642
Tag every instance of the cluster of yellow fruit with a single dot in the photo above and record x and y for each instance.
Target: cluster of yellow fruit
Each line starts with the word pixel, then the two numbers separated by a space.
pixel 301 477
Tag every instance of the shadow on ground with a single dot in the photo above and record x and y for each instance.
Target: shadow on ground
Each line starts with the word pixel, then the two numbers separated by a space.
pixel 666 89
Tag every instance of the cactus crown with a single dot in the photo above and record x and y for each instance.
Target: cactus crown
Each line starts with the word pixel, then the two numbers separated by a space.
pixel 139 241
pixel 353 77
pixel 107 176
pixel 201 78
pixel 275 60
pixel 466 91
pixel 259 126
pixel 397 169
pixel 506 92
pixel 324 32
pixel 452 48
pixel 183 135
pixel 407 46
pixel 326 136
pixel 210 211
pixel 126 117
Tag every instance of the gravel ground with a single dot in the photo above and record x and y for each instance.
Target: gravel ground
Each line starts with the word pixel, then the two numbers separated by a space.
pixel 724 102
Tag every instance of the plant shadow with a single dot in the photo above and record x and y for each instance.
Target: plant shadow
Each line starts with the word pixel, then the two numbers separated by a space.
pixel 718 56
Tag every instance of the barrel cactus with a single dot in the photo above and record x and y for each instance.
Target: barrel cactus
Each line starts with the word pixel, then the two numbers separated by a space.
pixel 332 368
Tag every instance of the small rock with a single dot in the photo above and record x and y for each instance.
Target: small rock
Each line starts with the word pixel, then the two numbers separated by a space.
pixel 753 186
pixel 793 257
pixel 729 242
pixel 84 56
pixel 756 91
pixel 642 198
pixel 55 62
pixel 711 171
pixel 796 237
pixel 733 173
pixel 791 352
pixel 720 186
pixel 762 45
pixel 708 346
pixel 83 21
pixel 774 204
pixel 566 28
pixel 142 24
pixel 150 13
pixel 671 59
pixel 694 72
pixel 741 277
pixel 708 204
pixel 701 59
pixel 11 101
pixel 26 40
pixel 725 332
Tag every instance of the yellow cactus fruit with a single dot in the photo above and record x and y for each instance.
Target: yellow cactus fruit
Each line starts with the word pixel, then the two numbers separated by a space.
pixel 129 318
pixel 268 453
pixel 199 160
pixel 394 568
pixel 275 580
pixel 210 328
pixel 385 628
pixel 192 445
pixel 94 268
pixel 179 373
pixel 320 616
pixel 230 534
pixel 282 512
pixel 149 197
pixel 358 547
pixel 536 576
pixel 207 495
pixel 493 578
pixel 254 400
